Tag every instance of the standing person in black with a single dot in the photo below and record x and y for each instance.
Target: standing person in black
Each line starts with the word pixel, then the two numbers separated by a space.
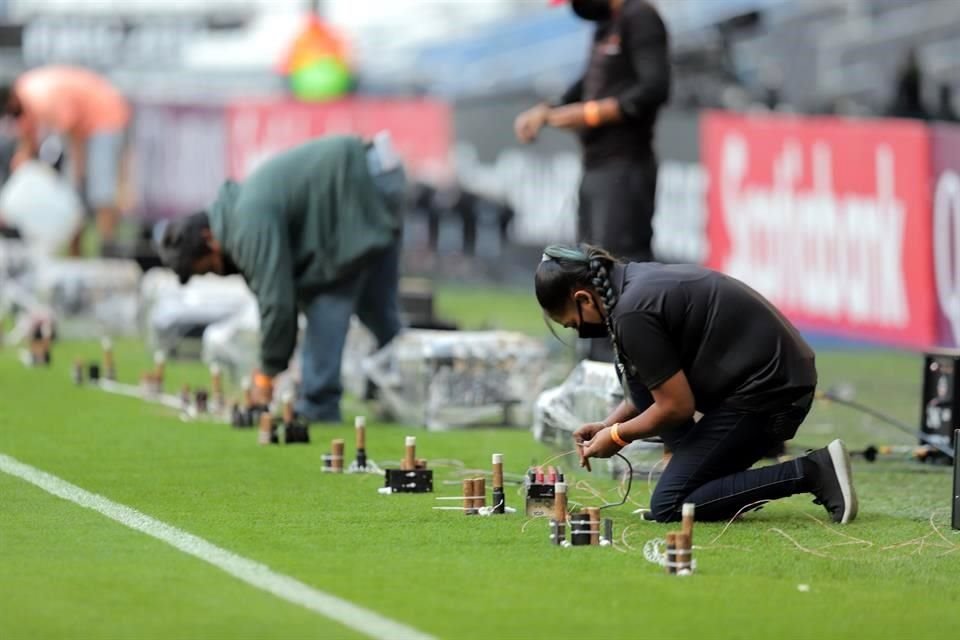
pixel 687 340
pixel 613 108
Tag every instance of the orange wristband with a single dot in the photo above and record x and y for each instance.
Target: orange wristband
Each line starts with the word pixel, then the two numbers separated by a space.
pixel 262 381
pixel 615 435
pixel 591 113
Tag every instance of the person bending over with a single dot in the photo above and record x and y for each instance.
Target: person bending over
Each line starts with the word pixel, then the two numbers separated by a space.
pixel 317 229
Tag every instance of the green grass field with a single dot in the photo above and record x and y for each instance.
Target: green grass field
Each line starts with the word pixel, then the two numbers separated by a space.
pixel 66 571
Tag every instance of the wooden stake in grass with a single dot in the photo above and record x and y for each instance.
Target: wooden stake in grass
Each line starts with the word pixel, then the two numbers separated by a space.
pixel 159 364
pixel 671 566
pixel 499 497
pixel 360 424
pixel 559 521
pixel 468 497
pixel 109 366
pixel 336 455
pixel 684 554
pixel 480 493
pixel 216 386
pixel 593 517
pixel 687 513
pixel 410 456
pixel 560 502
pixel 497 462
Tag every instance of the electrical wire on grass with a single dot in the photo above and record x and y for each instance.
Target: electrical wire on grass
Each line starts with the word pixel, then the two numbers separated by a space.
pixel 653 549
pixel 626 492
pixel 832 396
pixel 743 509
pixel 556 457
pixel 447 462
pixel 850 539
pixel 937 529
pixel 797 544
pixel 623 537
pixel 523 529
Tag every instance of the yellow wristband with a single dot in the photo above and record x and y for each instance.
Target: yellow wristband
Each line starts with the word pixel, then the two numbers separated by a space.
pixel 615 435
pixel 262 381
pixel 591 113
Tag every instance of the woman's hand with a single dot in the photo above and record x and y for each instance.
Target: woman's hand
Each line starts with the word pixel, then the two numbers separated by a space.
pixel 583 434
pixel 587 431
pixel 601 446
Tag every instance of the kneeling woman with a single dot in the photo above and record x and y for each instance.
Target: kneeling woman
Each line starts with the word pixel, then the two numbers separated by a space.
pixel 689 339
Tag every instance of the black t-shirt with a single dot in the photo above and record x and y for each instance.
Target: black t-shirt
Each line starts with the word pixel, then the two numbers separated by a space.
pixel 628 61
pixel 735 348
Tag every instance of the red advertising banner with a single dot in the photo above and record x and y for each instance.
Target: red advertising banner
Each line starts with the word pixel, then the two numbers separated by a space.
pixel 946 229
pixel 421 129
pixel 827 218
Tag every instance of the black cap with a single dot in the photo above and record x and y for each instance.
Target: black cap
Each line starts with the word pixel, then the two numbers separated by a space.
pixel 180 243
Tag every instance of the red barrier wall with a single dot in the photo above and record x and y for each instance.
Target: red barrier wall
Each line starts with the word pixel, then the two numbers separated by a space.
pixel 828 218
pixel 421 129
pixel 946 229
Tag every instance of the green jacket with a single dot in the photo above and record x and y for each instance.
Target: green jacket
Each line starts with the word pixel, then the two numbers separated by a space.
pixel 298 224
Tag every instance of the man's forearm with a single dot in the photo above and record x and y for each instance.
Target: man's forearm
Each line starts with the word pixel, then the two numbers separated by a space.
pixel 278 326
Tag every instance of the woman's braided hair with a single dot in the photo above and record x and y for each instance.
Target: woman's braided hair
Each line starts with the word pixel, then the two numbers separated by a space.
pixel 600 264
pixel 565 268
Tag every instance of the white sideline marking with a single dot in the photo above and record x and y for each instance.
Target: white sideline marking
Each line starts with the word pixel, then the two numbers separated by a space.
pixel 253 573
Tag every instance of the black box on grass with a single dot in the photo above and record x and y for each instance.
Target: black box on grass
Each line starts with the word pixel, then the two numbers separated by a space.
pixel 941 388
pixel 409 481
pixel 955 520
pixel 540 498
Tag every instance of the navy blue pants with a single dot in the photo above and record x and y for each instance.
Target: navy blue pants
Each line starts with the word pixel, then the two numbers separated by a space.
pixel 712 460
pixel 373 295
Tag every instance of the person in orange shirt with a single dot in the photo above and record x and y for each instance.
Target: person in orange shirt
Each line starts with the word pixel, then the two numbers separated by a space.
pixel 91 116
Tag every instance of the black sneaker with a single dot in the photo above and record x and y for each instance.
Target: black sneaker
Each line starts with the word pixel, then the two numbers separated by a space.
pixel 832 482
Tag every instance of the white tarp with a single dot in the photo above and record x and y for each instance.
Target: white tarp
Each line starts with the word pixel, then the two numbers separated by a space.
pixel 445 379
